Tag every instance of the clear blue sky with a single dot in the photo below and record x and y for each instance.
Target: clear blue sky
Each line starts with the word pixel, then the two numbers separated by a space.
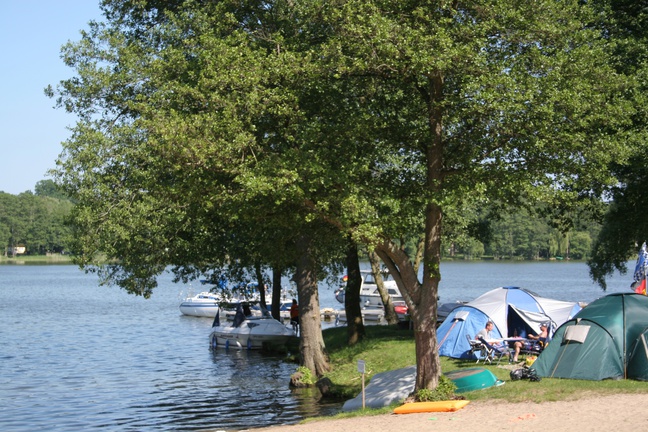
pixel 31 130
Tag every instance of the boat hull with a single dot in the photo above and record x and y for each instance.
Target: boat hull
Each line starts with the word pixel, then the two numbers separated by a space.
pixel 472 379
pixel 253 333
pixel 369 293
pixel 242 341
pixel 202 305
pixel 207 311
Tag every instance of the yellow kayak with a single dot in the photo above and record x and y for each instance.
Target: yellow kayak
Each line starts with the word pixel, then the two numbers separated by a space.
pixel 439 406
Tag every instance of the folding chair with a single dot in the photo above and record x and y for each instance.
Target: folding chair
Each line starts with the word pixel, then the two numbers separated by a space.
pixel 533 347
pixel 479 349
pixel 493 353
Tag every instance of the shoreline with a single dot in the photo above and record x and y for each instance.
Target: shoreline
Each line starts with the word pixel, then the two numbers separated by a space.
pixel 618 412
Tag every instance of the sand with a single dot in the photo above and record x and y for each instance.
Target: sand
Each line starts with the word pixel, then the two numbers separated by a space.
pixel 616 413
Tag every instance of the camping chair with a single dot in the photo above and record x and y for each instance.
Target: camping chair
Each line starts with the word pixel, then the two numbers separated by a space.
pixel 478 348
pixel 493 353
pixel 533 347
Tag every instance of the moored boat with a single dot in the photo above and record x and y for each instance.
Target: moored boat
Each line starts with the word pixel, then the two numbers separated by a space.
pixel 204 304
pixel 370 316
pixel 472 379
pixel 369 294
pixel 250 332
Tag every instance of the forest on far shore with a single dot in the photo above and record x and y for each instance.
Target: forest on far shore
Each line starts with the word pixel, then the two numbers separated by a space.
pixel 37 222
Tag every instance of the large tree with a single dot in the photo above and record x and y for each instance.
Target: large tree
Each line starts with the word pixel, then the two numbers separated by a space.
pixel 467 102
pixel 205 124
pixel 193 148
pixel 624 226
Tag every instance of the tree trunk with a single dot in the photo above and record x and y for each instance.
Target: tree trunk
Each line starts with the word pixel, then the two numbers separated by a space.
pixel 421 298
pixel 388 304
pixel 355 326
pixel 276 293
pixel 311 344
pixel 261 283
pixel 427 352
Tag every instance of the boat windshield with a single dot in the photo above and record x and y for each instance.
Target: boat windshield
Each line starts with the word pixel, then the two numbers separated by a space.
pixel 264 312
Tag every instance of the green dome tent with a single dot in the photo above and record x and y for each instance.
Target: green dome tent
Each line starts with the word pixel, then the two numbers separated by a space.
pixel 605 340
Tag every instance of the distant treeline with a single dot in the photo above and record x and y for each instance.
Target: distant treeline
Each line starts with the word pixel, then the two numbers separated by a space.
pixel 521 234
pixel 34 223
pixel 37 222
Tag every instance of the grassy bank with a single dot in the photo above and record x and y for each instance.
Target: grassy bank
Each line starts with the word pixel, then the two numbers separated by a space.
pixel 390 347
pixel 37 259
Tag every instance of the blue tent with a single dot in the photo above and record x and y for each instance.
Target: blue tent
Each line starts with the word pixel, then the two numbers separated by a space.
pixel 514 312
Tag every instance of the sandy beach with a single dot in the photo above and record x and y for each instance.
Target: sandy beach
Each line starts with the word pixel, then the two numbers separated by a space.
pixel 623 412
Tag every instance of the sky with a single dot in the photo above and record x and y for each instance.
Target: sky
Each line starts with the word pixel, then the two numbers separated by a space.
pixel 31 129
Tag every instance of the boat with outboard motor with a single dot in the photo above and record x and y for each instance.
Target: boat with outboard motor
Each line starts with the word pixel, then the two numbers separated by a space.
pixel 249 331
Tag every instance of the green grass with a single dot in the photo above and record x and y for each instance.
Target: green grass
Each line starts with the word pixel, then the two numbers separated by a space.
pixel 37 259
pixel 390 347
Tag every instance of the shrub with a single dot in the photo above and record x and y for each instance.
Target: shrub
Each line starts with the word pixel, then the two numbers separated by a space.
pixel 444 391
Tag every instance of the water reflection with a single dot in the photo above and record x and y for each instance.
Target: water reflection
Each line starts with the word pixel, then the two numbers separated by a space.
pixel 76 356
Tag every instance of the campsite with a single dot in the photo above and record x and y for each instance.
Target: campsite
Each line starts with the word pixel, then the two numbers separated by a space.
pixel 553 404
pixel 616 324
pixel 606 340
pixel 514 311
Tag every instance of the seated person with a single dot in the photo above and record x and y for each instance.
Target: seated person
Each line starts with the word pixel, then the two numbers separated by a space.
pixel 542 338
pixel 485 335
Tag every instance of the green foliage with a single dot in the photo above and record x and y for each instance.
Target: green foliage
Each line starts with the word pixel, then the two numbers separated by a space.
pixel 36 222
pixel 306 376
pixel 624 227
pixel 48 188
pixel 445 390
pixel 214 134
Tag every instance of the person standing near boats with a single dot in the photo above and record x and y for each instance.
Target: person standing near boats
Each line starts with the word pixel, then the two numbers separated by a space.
pixel 294 316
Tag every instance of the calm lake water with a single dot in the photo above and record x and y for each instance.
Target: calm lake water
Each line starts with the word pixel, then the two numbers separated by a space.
pixel 76 356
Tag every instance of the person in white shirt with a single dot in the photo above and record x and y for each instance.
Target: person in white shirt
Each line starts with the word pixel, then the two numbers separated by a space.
pixel 486 332
pixel 485 337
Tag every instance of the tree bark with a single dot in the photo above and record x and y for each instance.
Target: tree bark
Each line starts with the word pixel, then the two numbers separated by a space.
pixel 276 293
pixel 421 298
pixel 260 283
pixel 311 343
pixel 388 304
pixel 355 325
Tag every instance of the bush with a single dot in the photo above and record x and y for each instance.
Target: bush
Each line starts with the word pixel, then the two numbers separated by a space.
pixel 444 391
pixel 303 377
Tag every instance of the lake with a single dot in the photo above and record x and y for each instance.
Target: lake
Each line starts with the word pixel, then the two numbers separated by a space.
pixel 76 356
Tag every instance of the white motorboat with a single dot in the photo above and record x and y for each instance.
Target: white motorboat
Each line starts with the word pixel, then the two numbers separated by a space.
pixel 204 304
pixel 250 332
pixel 369 295
pixel 284 311
pixel 370 316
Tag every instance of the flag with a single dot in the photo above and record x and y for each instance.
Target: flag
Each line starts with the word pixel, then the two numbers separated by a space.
pixel 639 280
